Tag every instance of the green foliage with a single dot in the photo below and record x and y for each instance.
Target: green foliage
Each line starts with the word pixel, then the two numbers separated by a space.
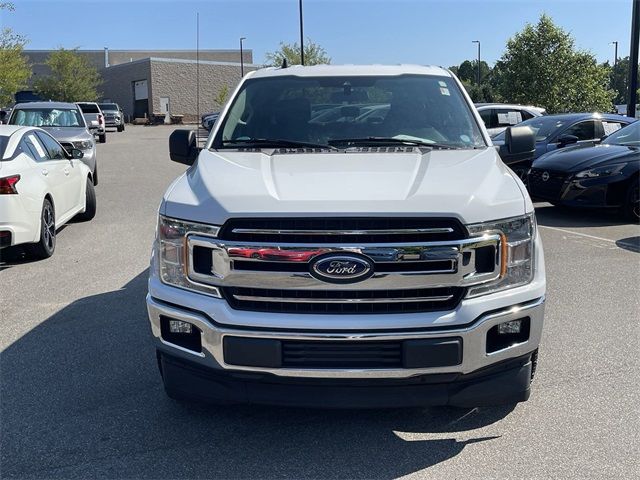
pixel 14 68
pixel 542 67
pixel 467 72
pixel 620 80
pixel 222 96
pixel 314 54
pixel 72 79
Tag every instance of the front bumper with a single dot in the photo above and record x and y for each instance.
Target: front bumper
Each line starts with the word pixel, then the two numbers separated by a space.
pixel 593 193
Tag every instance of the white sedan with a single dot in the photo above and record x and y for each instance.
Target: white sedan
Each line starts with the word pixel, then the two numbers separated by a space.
pixel 42 186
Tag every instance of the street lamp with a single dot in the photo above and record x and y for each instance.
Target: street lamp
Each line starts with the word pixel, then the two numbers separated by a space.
pixel 615 55
pixel 241 58
pixel 478 42
pixel 301 34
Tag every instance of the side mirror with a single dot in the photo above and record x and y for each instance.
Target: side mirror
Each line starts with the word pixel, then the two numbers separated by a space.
pixel 183 147
pixel 75 153
pixel 564 140
pixel 95 123
pixel 519 140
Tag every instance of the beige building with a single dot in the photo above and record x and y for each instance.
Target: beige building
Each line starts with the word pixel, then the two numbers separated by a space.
pixel 144 82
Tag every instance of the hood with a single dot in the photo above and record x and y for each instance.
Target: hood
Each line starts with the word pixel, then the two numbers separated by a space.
pixel 64 134
pixel 577 158
pixel 471 185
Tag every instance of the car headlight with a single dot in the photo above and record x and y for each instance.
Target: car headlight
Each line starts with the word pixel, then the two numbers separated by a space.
pixel 520 233
pixel 171 245
pixel 83 144
pixel 600 172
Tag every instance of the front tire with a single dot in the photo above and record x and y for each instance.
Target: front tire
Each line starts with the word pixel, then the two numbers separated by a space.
pixel 632 203
pixel 45 247
pixel 102 138
pixel 90 203
pixel 121 128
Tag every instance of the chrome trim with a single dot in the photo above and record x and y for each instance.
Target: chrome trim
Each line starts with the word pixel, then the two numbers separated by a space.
pixel 400 231
pixel 254 298
pixel 461 254
pixel 474 354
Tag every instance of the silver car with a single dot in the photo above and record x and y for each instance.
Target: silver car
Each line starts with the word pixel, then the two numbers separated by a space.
pixel 64 121
pixel 498 116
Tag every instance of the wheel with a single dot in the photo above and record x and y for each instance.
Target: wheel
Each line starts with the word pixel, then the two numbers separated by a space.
pixel 47 244
pixel 102 138
pixel 90 205
pixel 121 128
pixel 632 203
pixel 95 174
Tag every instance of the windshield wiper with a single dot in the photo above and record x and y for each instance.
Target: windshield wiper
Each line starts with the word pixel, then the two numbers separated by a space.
pixel 390 141
pixel 276 143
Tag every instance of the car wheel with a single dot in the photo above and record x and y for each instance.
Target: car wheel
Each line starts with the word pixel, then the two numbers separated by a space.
pixel 632 205
pixel 45 247
pixel 90 203
pixel 95 175
pixel 102 138
pixel 121 128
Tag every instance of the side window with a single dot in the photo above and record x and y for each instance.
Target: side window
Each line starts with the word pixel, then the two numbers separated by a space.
pixel 488 118
pixel 526 115
pixel 36 148
pixel 56 152
pixel 611 127
pixel 507 117
pixel 583 130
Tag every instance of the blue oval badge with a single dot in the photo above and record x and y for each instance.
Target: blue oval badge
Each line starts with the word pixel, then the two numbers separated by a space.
pixel 341 268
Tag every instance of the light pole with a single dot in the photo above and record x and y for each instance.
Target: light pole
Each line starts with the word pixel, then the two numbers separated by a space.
pixel 241 58
pixel 615 55
pixel 478 75
pixel 301 34
pixel 633 59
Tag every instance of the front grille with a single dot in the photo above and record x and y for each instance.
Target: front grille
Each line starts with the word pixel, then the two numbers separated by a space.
pixel 343 302
pixel 551 188
pixel 370 354
pixel 343 230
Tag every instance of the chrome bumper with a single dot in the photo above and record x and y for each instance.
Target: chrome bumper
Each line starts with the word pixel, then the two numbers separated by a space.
pixel 474 354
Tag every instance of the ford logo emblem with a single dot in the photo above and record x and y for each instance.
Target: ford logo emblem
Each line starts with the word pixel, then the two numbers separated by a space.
pixel 343 268
pixel 545 176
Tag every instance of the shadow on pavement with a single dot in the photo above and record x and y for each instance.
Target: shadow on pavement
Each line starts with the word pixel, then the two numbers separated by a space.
pixel 551 216
pixel 82 398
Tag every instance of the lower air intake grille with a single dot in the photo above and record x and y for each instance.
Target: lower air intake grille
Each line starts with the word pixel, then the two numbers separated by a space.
pixel 296 354
pixel 344 302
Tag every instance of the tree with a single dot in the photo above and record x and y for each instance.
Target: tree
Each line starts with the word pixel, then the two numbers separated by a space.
pixel 620 80
pixel 72 79
pixel 14 67
pixel 541 66
pixel 467 72
pixel 222 95
pixel 314 54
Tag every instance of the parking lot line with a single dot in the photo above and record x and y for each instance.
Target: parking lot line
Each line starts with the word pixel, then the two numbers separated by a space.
pixel 587 235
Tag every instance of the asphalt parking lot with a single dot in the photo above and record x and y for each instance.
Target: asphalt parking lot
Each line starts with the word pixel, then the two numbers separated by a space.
pixel 81 396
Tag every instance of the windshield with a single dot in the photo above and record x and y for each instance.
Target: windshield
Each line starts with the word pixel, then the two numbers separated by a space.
pixel 321 110
pixel 108 106
pixel 629 135
pixel 543 127
pixel 47 117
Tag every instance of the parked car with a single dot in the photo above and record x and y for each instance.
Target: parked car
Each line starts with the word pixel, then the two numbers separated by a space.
pixel 95 119
pixel 558 131
pixel 208 119
pixel 604 175
pixel 42 187
pixel 430 287
pixel 65 122
pixel 498 116
pixel 113 115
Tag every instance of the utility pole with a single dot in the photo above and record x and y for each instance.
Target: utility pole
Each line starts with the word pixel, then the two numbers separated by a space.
pixel 301 34
pixel 241 58
pixel 615 55
pixel 633 59
pixel 478 75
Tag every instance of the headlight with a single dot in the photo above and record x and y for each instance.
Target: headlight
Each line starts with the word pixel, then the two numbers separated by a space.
pixel 171 243
pixel 520 233
pixel 600 172
pixel 83 144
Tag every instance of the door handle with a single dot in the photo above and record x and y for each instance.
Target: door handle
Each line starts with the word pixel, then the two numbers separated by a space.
pixel 45 172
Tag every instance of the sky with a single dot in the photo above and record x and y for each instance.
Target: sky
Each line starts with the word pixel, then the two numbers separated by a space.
pixel 352 31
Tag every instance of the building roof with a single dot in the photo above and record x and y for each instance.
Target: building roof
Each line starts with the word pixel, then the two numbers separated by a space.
pixel 346 70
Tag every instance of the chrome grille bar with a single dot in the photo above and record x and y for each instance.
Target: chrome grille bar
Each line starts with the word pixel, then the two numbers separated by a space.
pixel 255 298
pixel 405 231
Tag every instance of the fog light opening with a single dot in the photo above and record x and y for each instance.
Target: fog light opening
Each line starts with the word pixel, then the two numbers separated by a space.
pixel 178 326
pixel 508 334
pixel 181 333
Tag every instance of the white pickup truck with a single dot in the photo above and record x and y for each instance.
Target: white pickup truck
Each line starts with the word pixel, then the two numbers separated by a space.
pixel 347 237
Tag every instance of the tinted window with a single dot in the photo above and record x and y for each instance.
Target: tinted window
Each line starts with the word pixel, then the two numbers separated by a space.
pixel 89 108
pixel 427 108
pixel 38 150
pixel 47 117
pixel 583 130
pixel 543 127
pixel 526 115
pixel 489 118
pixel 3 145
pixel 56 152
